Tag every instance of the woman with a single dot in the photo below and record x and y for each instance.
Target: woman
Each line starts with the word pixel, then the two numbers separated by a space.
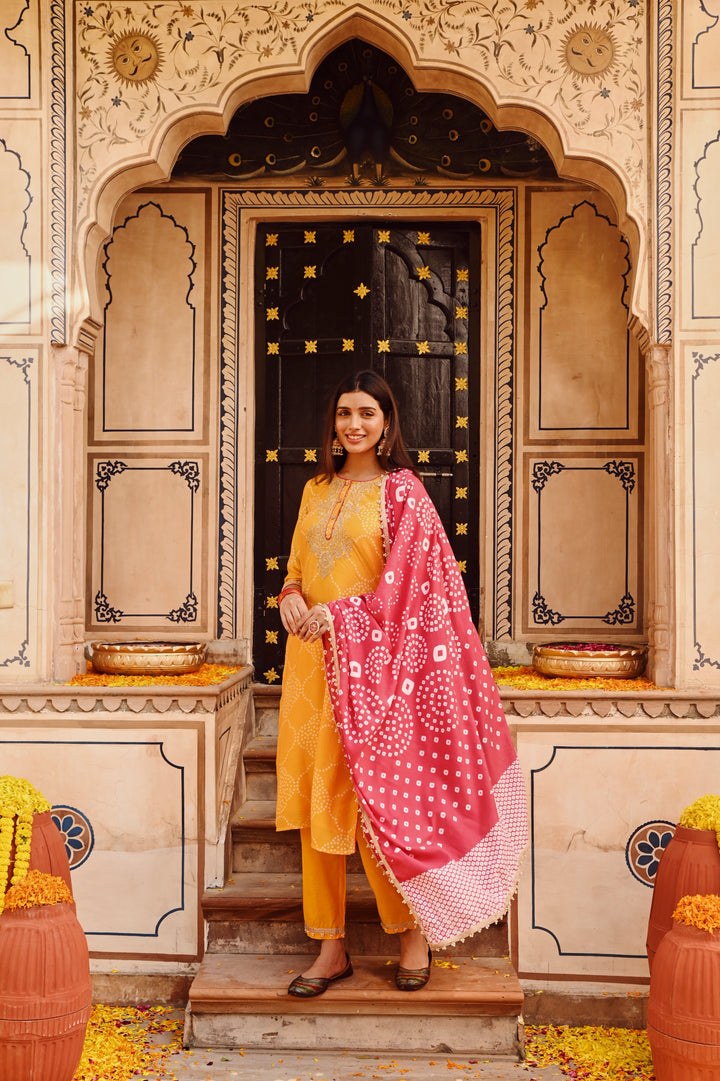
pixel 391 730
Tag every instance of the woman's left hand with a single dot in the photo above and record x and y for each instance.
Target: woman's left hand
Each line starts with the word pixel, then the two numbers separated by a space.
pixel 314 625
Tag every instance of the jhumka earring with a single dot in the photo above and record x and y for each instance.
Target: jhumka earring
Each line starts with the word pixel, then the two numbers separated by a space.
pixel 381 445
pixel 337 447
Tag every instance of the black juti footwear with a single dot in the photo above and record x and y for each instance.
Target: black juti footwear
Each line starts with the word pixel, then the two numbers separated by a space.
pixel 312 986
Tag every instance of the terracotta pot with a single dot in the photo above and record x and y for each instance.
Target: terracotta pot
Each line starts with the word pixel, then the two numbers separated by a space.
pixel 47 849
pixel 45 993
pixel 684 1006
pixel 690 864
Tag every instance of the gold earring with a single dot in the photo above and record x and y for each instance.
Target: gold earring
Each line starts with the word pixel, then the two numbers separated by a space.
pixel 381 445
pixel 337 447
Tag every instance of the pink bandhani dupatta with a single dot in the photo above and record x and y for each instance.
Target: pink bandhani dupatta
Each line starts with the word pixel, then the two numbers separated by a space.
pixel 441 793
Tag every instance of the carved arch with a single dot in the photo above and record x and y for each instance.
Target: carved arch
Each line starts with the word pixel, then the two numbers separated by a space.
pixel 427 75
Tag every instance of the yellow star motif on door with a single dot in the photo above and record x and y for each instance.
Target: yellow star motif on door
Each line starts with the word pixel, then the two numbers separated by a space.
pixel 423 273
pixel 462 274
pixel 383 236
pixel 461 529
pixel 460 349
pixel 271 675
pixel 423 238
pixel 311 346
pixel 271 563
pixel 271 455
pixel 310 455
pixel 460 311
pixel 271 240
pixel 271 637
pixel 309 272
pixel 461 456
pixel 362 290
pixel 273 349
pixel 423 456
pixel 462 566
pixel 384 345
pixel 461 422
pixel 423 347
pixel 271 602
pixel 272 273
pixel 461 382
pixel 310 236
pixel 461 493
pixel 348 236
pixel 273 313
pixel 348 345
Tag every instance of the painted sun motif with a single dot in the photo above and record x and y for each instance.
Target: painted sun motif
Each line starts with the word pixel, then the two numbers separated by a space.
pixel 135 57
pixel 589 50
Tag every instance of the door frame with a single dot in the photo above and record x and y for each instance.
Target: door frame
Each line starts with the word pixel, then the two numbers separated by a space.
pixel 494 210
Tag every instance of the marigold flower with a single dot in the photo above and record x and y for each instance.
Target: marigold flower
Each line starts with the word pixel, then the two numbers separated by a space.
pixel 37 888
pixel 699 910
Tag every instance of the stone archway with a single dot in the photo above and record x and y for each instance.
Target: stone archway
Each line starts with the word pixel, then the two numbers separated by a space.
pixel 157 150
pixel 121 158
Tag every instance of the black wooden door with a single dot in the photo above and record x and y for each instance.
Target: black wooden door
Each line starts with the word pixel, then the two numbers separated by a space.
pixel 340 297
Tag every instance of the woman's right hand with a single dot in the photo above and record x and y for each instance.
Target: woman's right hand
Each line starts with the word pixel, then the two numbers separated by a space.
pixel 293 610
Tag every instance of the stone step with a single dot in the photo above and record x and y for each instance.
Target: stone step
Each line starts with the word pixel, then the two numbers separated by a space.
pixel 470 1005
pixel 262 913
pixel 257 845
pixel 259 761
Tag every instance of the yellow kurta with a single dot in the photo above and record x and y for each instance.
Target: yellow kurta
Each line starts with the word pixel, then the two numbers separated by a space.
pixel 337 551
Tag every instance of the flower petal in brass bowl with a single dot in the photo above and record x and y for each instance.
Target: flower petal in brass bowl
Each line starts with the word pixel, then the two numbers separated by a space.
pixel 589 660
pixel 148 658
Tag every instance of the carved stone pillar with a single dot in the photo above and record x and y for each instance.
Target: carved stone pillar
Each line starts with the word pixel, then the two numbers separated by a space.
pixel 71 366
pixel 660 523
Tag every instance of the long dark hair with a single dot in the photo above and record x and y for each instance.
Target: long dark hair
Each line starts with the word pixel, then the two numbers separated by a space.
pixel 394 454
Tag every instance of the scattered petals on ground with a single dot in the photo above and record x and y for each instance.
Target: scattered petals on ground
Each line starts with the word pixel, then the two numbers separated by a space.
pixel 590 1053
pixel 122 1043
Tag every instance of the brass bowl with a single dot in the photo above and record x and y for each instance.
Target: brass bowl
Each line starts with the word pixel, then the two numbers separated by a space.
pixel 626 662
pixel 147 658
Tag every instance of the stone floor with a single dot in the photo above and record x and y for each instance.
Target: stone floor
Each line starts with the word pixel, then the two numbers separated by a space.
pixel 205 1065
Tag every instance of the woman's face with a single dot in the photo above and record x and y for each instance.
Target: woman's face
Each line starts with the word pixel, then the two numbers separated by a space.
pixel 359 422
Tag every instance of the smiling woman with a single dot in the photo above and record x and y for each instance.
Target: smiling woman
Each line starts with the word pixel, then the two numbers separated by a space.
pixel 381 668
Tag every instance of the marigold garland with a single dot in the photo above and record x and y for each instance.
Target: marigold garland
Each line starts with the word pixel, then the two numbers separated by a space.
pixel 206 676
pixel 37 889
pixel 699 910
pixel 703 814
pixel 19 801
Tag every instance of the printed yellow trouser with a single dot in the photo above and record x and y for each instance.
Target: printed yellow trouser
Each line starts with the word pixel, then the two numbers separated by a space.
pixel 324 891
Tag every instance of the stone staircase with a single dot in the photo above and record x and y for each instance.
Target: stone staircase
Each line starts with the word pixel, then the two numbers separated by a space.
pixel 256 944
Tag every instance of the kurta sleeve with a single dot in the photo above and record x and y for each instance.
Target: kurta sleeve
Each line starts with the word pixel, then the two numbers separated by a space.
pixel 294 567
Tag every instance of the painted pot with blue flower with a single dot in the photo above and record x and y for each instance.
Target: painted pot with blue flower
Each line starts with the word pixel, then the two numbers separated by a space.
pixel 690 864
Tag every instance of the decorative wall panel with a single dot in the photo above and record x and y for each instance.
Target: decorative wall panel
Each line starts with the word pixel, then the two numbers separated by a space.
pixel 583 543
pixel 134 801
pixel 150 383
pixel 701 41
pixel 590 801
pixel 20 268
pixel 19 527
pixel 583 363
pixel 18 52
pixel 706 245
pixel 705 525
pixel 147 552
